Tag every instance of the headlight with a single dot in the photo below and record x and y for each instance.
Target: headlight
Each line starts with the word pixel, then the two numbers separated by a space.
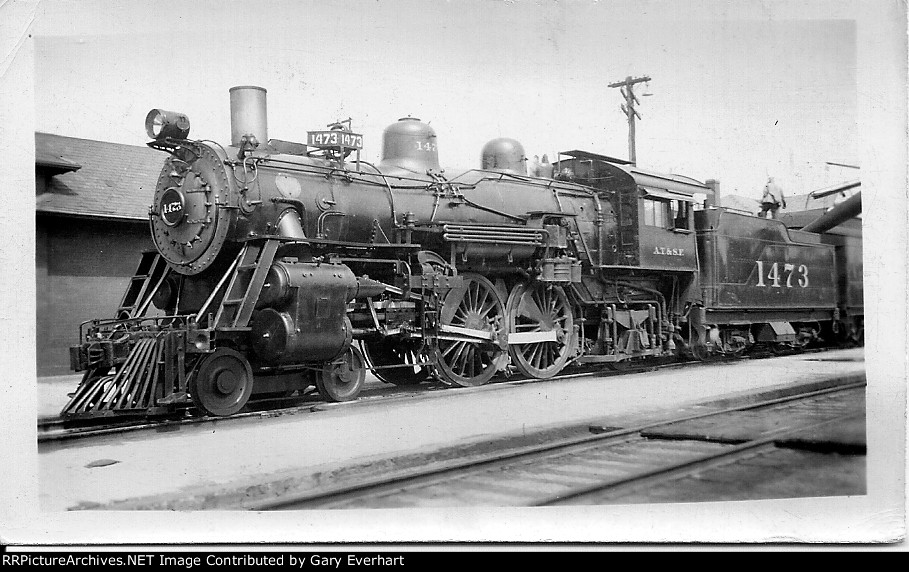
pixel 160 124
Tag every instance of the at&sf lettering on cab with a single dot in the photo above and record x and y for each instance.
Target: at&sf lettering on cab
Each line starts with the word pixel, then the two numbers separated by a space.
pixel 280 266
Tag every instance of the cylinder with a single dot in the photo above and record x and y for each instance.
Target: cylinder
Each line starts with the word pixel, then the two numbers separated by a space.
pixel 248 114
pixel 306 315
pixel 276 290
pixel 367 287
pixel 279 338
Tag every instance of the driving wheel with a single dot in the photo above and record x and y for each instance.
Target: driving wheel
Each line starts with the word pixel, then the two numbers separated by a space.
pixel 475 305
pixel 534 309
pixel 404 353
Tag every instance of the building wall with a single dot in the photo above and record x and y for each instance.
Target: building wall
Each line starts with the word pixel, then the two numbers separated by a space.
pixel 83 266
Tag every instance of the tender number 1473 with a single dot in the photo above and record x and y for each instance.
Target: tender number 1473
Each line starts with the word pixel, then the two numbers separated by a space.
pixel 774 278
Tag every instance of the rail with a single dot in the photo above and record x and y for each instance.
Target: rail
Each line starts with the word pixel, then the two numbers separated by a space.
pixel 446 473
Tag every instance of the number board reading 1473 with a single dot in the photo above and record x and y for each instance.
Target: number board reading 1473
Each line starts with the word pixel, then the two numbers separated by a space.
pixel 334 139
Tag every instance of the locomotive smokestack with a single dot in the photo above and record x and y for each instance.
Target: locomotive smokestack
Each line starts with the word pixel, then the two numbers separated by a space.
pixel 248 114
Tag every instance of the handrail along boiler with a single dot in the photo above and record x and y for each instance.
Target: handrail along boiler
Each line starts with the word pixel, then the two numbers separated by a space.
pixel 280 266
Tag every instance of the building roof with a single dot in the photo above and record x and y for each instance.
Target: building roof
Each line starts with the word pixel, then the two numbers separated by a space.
pixel 53 164
pixel 111 180
pixel 740 204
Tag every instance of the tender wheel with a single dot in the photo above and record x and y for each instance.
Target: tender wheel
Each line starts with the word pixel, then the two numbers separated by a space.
pixel 857 333
pixel 343 379
pixel 781 349
pixel 700 352
pixel 402 352
pixel 540 308
pixel 222 383
pixel 477 306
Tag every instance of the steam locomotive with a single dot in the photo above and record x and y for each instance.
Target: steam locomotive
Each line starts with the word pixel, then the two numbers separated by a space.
pixel 280 266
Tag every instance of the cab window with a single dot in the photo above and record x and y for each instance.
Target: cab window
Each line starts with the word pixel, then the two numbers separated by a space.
pixel 656 213
pixel 680 210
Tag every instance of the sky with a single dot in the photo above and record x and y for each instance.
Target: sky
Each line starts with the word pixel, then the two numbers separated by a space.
pixel 737 95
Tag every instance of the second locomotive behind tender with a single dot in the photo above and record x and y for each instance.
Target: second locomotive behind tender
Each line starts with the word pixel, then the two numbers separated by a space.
pixel 276 262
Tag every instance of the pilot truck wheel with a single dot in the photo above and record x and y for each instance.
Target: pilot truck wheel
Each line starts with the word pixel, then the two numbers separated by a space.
pixel 222 383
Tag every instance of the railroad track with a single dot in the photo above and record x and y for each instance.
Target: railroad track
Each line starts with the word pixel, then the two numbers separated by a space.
pixel 58 430
pixel 626 464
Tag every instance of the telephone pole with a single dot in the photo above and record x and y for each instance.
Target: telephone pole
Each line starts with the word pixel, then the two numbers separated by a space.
pixel 628 109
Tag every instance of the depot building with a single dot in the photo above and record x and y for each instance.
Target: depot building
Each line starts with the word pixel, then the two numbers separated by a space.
pixel 91 219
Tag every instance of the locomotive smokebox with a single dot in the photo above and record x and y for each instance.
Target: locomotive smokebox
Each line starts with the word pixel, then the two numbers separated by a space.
pixel 248 114
pixel 410 144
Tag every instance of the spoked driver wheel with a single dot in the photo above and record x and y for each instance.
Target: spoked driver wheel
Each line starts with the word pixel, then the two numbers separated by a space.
pixel 477 306
pixel 222 383
pixel 342 379
pixel 402 352
pixel 538 308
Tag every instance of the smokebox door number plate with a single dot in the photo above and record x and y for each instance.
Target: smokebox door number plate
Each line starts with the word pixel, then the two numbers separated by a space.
pixel 171 207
